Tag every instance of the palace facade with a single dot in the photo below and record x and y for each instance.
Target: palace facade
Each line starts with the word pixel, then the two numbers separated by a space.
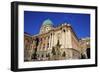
pixel 55 43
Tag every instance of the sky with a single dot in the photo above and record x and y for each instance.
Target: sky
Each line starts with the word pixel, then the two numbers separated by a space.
pixel 79 22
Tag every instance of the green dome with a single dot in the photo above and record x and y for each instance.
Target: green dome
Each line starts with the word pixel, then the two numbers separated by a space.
pixel 47 22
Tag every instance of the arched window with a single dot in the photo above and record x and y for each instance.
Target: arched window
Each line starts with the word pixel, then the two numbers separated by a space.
pixel 42 56
pixel 43 46
pixel 48 45
pixel 88 52
pixel 64 30
pixel 51 34
pixel 64 54
pixel 41 39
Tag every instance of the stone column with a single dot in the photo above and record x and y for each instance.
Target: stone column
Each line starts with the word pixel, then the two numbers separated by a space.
pixel 64 38
pixel 42 45
pixel 51 40
pixel 46 43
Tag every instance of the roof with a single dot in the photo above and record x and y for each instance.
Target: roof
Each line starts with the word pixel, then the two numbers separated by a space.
pixel 48 22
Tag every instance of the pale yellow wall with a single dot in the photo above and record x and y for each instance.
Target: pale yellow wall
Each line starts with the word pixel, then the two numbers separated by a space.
pixel 75 42
pixel 68 39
